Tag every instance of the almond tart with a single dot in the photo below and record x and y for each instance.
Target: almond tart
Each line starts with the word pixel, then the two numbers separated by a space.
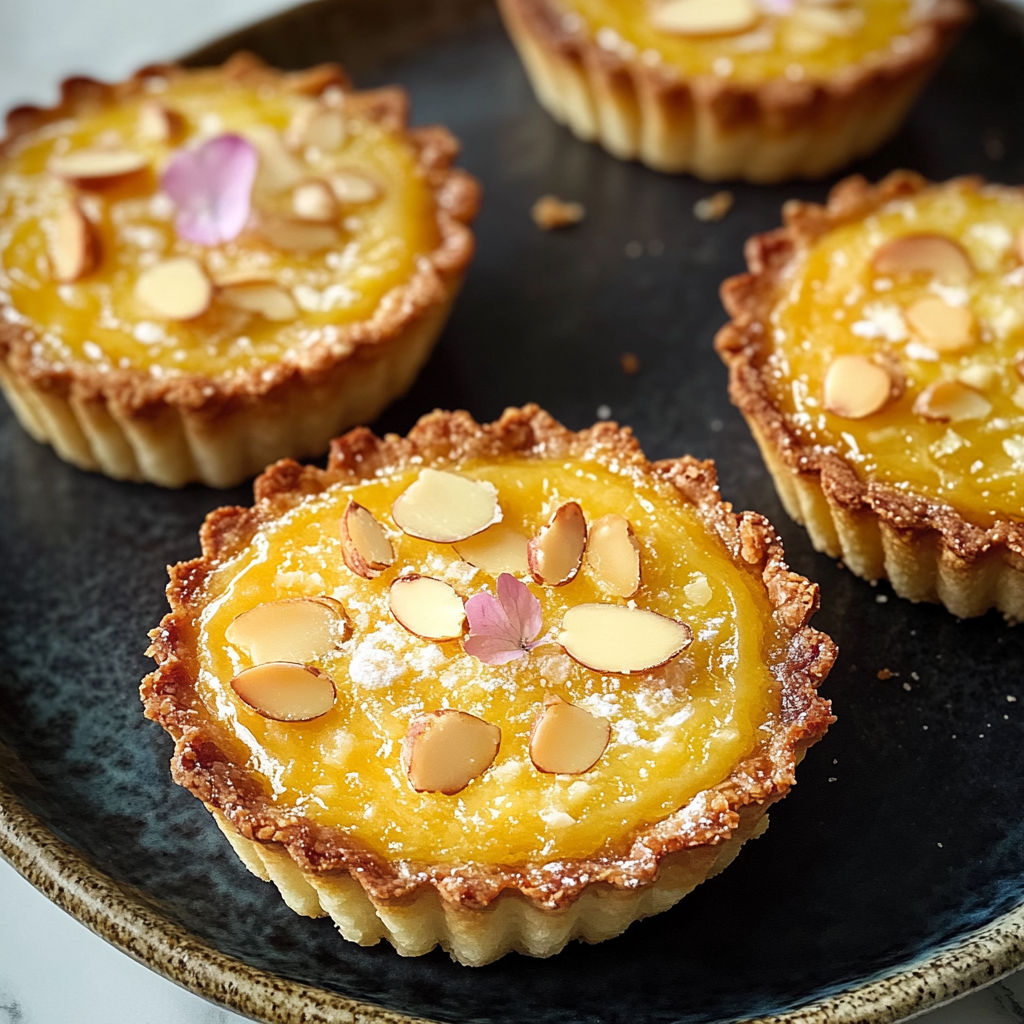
pixel 875 350
pixel 204 271
pixel 490 687
pixel 761 90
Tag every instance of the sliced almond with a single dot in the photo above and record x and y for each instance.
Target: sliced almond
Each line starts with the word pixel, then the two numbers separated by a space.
pixel 555 553
pixel 444 751
pixel 74 244
pixel 942 327
pixel 264 298
pixel 278 170
pixel 314 201
pixel 855 387
pixel 705 17
pixel 316 124
pixel 828 21
pixel 295 630
pixel 352 188
pixel 498 549
pixel 97 168
pixel 428 608
pixel 160 123
pixel 446 507
pixel 175 289
pixel 620 639
pixel 289 234
pixel 566 739
pixel 937 255
pixel 364 542
pixel 952 401
pixel 613 555
pixel 286 692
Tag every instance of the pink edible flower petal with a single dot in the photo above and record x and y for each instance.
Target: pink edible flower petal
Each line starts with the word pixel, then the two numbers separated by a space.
pixel 211 186
pixel 505 627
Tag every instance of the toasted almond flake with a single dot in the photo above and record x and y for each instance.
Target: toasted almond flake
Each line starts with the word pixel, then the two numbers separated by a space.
pixel 618 638
pixel 96 168
pixel 828 21
pixel 175 289
pixel 556 552
pixel 160 123
pixel 713 208
pixel 979 375
pixel 566 739
pixel 74 244
pixel 278 171
pixel 498 549
pixel 699 591
pixel 446 507
pixel 551 213
pixel 286 692
pixel 444 751
pixel 951 401
pixel 314 201
pixel 364 542
pixel 316 124
pixel 855 387
pixel 802 40
pixel 613 555
pixel 705 17
pixel 938 255
pixel 351 188
pixel 290 234
pixel 942 327
pixel 427 608
pixel 264 298
pixel 295 630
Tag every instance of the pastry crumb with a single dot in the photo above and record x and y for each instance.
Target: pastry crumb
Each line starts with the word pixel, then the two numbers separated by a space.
pixel 886 673
pixel 604 412
pixel 881 598
pixel 713 208
pixel 552 213
pixel 1010 699
pixel 629 362
pixel 906 686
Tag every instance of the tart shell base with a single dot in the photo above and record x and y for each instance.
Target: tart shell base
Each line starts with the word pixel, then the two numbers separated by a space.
pixel 510 924
pixel 713 128
pixel 172 445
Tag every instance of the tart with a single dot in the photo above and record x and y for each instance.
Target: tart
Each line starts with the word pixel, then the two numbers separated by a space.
pixel 875 350
pixel 761 90
pixel 204 271
pixel 492 687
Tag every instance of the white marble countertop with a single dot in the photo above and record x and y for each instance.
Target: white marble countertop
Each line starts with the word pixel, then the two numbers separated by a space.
pixel 42 41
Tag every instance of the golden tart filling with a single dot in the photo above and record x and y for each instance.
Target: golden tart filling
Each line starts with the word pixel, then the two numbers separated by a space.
pixel 922 300
pixel 490 686
pixel 340 213
pixel 204 271
pixel 675 730
pixel 748 40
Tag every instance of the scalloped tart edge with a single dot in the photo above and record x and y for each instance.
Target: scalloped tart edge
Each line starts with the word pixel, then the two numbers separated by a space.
pixel 926 549
pixel 174 430
pixel 479 912
pixel 716 129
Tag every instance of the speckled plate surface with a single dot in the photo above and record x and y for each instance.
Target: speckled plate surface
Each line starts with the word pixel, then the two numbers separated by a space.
pixel 891 878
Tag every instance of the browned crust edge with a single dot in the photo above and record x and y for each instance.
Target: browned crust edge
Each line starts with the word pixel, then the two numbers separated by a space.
pixel 779 104
pixel 749 299
pixel 136 394
pixel 201 765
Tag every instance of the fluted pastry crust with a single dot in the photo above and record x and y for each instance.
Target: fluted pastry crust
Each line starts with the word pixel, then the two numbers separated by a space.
pixel 926 548
pixel 715 128
pixel 219 430
pixel 670 857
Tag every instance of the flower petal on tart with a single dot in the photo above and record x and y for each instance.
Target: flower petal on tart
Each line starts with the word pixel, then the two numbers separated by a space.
pixel 426 607
pixel 297 629
pixel 620 639
pixel 446 507
pixel 567 739
pixel 556 552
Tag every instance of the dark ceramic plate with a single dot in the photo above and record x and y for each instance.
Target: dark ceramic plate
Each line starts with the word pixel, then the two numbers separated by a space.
pixel 906 833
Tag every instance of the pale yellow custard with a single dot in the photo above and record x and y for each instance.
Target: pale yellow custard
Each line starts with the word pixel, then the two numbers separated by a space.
pixel 98 319
pixel 836 302
pixel 794 40
pixel 675 731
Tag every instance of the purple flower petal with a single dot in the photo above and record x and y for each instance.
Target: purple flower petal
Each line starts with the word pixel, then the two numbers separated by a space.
pixel 211 186
pixel 487 617
pixel 492 650
pixel 521 607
